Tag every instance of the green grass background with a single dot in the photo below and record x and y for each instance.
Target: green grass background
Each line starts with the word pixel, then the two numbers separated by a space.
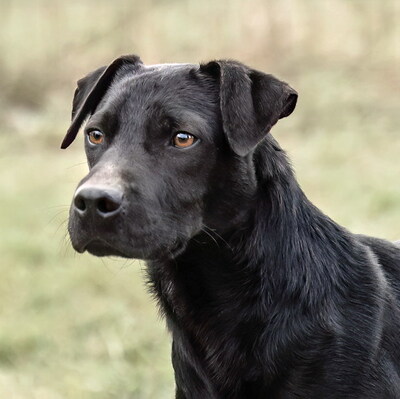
pixel 79 327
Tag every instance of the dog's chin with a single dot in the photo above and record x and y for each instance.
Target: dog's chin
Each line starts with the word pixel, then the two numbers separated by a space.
pixel 99 247
pixel 102 248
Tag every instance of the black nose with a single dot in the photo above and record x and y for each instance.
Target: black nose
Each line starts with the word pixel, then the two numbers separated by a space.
pixel 100 201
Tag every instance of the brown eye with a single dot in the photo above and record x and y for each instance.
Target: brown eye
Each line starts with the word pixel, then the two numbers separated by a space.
pixel 95 136
pixel 183 140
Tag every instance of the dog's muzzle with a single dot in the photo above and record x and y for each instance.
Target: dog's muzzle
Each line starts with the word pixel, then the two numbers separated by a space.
pixel 95 216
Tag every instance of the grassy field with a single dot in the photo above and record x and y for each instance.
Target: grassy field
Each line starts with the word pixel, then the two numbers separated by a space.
pixel 79 327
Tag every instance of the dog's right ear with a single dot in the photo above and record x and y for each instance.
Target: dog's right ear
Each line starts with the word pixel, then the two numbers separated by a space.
pixel 92 88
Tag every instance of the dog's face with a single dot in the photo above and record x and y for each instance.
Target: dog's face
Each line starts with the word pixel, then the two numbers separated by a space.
pixel 169 150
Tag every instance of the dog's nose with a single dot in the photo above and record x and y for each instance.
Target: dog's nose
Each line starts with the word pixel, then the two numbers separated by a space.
pixel 101 201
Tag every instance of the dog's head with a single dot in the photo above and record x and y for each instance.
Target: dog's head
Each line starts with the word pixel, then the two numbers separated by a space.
pixel 169 149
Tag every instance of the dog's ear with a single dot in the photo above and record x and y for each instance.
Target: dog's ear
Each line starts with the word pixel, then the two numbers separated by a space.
pixel 251 103
pixel 92 88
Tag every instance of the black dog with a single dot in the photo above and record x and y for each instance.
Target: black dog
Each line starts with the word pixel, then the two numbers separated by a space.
pixel 265 296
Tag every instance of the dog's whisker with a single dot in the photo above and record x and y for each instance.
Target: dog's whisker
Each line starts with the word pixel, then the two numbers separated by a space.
pixel 55 217
pixel 76 165
pixel 58 206
pixel 210 235
pixel 61 224
pixel 213 231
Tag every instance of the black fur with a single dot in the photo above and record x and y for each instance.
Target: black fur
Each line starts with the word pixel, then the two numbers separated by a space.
pixel 264 295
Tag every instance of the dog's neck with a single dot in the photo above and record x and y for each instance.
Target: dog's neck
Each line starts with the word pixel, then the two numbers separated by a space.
pixel 276 251
pixel 248 286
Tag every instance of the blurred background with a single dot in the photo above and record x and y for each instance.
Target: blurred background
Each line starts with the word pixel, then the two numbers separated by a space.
pixel 75 326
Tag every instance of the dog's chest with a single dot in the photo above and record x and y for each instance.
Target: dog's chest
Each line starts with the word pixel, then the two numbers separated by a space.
pixel 215 333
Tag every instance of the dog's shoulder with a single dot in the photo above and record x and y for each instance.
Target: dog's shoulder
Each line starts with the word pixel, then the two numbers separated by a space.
pixel 381 247
pixel 387 255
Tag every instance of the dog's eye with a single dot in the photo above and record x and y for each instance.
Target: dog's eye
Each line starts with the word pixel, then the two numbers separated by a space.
pixel 183 140
pixel 95 136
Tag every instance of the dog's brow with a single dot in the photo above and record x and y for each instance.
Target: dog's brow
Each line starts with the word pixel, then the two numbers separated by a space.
pixel 189 120
pixel 107 121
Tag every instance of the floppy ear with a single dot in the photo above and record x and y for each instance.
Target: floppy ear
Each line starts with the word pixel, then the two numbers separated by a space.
pixel 251 103
pixel 91 89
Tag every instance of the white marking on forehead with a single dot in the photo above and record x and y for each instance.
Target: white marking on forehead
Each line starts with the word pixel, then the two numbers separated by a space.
pixel 160 67
pixel 169 65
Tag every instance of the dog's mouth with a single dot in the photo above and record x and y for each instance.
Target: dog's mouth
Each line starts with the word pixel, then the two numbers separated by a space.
pixel 118 240
pixel 100 247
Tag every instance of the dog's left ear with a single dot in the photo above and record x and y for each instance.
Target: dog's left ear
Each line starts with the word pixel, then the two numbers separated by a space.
pixel 92 88
pixel 251 102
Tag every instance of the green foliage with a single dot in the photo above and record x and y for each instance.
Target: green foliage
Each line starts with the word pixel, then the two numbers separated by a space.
pixel 75 326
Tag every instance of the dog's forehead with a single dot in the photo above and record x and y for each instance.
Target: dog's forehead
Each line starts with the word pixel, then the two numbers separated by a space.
pixel 157 93
pixel 157 72
pixel 159 83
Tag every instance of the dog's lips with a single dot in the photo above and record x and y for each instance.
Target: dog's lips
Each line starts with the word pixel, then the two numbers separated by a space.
pixel 99 247
pixel 118 240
